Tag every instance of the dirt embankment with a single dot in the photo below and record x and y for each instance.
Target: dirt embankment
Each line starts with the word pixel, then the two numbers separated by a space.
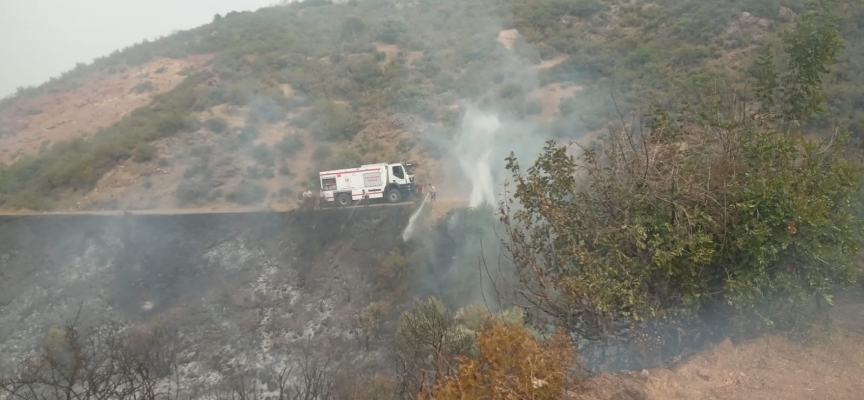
pixel 245 288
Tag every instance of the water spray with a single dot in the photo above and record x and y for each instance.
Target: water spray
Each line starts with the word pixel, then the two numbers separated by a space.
pixel 406 235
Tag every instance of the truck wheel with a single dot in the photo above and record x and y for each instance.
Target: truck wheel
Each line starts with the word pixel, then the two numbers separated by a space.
pixel 343 200
pixel 394 196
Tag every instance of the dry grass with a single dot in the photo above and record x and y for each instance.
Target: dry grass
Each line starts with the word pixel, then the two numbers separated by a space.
pixel 771 367
pixel 101 102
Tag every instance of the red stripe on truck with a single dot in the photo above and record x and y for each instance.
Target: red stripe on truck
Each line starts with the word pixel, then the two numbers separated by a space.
pixel 347 172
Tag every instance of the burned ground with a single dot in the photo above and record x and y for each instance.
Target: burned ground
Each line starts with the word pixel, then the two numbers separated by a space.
pixel 246 289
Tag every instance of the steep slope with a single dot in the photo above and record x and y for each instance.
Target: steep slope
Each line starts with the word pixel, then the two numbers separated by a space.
pixel 294 89
pixel 244 289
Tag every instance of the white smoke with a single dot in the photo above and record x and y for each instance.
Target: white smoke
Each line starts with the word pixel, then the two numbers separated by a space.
pixel 474 148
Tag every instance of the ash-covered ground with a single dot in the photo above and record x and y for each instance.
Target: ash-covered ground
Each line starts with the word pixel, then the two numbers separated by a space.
pixel 246 290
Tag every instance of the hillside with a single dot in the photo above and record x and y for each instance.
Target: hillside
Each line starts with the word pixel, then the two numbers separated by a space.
pixel 701 239
pixel 246 109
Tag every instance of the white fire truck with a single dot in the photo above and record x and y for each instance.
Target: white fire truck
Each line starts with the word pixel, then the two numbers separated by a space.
pixel 395 182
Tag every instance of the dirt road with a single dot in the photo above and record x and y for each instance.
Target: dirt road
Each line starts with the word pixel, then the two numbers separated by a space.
pixel 197 210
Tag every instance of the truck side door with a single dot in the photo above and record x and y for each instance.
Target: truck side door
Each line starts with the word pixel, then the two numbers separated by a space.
pixel 398 173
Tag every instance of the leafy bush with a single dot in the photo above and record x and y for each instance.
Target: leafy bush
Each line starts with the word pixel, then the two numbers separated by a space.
pixel 334 122
pixel 391 31
pixel 143 87
pixel 248 193
pixel 262 154
pixel 351 28
pixel 766 220
pixel 144 152
pixel 322 152
pixel 191 192
pixel 284 170
pixel 641 56
pixel 265 109
pixel 248 134
pixel 290 144
pixel 392 267
pixel 216 125
pixel 191 124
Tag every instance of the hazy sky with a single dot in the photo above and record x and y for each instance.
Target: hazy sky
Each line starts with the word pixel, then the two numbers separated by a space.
pixel 40 39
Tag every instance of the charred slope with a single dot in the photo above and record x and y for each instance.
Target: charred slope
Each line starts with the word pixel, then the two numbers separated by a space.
pixel 241 286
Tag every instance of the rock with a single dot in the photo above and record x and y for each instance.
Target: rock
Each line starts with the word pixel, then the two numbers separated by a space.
pixel 703 373
pixel 786 12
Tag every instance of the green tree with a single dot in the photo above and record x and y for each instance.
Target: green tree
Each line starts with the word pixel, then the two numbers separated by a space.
pixel 391 30
pixel 428 340
pixel 811 47
pixel 718 206
pixel 351 27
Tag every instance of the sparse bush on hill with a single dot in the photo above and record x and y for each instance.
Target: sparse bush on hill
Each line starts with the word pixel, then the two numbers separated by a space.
pixel 265 110
pixel 322 152
pixel 334 122
pixel 144 152
pixel 248 134
pixel 370 319
pixel 290 145
pixel 216 125
pixel 247 192
pixel 391 31
pixel 143 87
pixel 392 267
pixel 79 163
pixel 262 154
pixel 191 124
pixel 191 192
pixel 351 28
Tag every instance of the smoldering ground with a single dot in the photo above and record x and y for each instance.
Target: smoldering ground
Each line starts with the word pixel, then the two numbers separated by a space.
pixel 458 256
pixel 245 291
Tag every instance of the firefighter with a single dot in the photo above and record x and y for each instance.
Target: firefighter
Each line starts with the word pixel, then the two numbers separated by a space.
pixel 365 198
pixel 432 193
pixel 307 199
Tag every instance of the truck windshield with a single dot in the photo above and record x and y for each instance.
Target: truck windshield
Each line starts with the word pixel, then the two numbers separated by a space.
pixel 409 169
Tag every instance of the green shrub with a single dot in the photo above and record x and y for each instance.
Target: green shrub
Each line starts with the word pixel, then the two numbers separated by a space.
pixel 586 8
pixel 248 134
pixel 216 125
pixel 335 122
pixel 290 144
pixel 262 154
pixel 32 111
pixel 534 107
pixel 191 192
pixel 641 56
pixel 143 87
pixel 322 152
pixel 689 55
pixel 248 193
pixel 391 31
pixel 351 28
pixel 265 110
pixel 191 124
pixel 144 152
